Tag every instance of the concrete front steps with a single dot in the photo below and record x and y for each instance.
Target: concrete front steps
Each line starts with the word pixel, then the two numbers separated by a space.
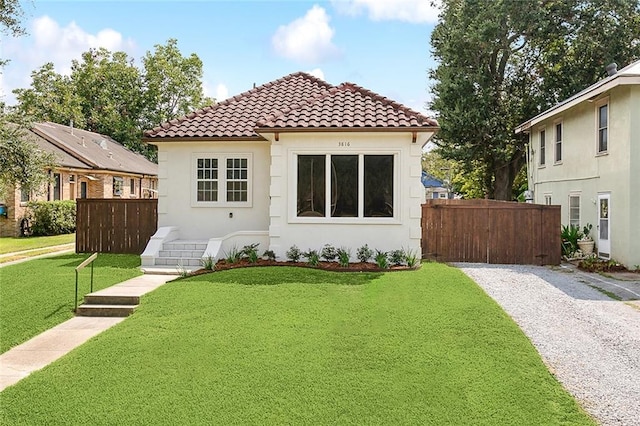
pixel 122 299
pixel 178 256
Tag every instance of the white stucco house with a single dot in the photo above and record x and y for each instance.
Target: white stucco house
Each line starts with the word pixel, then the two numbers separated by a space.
pixel 584 154
pixel 296 161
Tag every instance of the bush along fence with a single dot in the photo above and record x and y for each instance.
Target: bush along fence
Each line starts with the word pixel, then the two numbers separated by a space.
pixel 115 225
pixel 489 231
pixel 49 218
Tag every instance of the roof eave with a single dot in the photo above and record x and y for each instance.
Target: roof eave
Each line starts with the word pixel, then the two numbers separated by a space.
pixel 169 139
pixel 407 129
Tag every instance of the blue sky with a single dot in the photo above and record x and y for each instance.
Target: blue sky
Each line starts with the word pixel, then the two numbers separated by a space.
pixel 382 45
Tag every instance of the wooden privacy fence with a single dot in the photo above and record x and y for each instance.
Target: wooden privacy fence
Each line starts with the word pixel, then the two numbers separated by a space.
pixel 489 231
pixel 115 226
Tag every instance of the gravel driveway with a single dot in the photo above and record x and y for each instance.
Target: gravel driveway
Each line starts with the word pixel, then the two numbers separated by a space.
pixel 589 341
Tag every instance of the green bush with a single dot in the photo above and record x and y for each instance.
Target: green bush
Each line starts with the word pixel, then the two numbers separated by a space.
pixel 51 217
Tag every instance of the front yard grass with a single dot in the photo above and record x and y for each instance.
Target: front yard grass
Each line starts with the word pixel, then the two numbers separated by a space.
pixel 10 244
pixel 38 294
pixel 285 345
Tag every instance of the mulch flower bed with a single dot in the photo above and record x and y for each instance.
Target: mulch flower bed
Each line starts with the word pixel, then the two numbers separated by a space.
pixel 223 265
pixel 601 265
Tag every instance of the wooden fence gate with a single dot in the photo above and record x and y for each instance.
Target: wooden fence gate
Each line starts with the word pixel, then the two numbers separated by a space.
pixel 107 225
pixel 489 231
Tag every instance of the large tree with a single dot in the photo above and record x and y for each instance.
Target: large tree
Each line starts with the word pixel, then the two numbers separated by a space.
pixel 502 62
pixel 108 94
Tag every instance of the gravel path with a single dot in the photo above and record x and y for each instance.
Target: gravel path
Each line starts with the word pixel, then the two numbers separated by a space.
pixel 589 341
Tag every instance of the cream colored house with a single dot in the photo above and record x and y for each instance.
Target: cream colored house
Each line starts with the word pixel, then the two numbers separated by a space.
pixel 584 154
pixel 296 161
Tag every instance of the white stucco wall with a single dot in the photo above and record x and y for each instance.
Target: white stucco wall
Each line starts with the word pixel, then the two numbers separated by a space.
pixel 199 221
pixel 401 231
pixel 584 172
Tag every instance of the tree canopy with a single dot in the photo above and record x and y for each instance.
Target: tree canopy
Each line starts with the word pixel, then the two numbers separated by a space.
pixel 504 61
pixel 106 93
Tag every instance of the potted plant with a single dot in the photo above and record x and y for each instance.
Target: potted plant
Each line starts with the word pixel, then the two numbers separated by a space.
pixel 585 242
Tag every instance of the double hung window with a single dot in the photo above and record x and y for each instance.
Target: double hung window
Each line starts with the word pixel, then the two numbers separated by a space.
pixel 222 179
pixel 558 158
pixel 543 136
pixel 603 128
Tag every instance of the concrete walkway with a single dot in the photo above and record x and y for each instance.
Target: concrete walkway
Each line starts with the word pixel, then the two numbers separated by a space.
pixel 24 255
pixel 22 360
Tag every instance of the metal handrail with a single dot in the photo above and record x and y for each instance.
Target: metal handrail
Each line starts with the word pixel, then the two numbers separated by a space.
pixel 89 260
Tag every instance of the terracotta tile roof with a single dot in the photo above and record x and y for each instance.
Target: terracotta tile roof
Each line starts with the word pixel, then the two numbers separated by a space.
pixel 298 100
pixel 236 117
pixel 348 106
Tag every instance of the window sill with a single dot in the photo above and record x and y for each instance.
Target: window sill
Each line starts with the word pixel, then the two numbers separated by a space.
pixel 558 163
pixel 345 220
pixel 542 166
pixel 602 154
pixel 225 205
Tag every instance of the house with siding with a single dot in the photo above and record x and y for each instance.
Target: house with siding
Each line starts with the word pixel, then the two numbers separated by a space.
pixel 584 154
pixel 88 165
pixel 296 161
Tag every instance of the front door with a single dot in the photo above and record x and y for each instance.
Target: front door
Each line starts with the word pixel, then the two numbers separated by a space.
pixel 604 226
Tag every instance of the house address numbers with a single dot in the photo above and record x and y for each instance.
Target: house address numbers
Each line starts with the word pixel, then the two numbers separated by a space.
pixel 344 144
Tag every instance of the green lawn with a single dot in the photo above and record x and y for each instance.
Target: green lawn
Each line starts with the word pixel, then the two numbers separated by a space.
pixel 298 346
pixel 38 294
pixel 10 245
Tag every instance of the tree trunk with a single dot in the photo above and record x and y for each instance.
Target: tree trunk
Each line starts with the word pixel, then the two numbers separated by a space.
pixel 505 174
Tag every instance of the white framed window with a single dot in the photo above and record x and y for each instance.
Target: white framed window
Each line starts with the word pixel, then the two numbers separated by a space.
pixel 118 184
pixel 547 199
pixel 602 126
pixel 543 142
pixel 221 180
pixel 574 210
pixel 345 187
pixel 558 141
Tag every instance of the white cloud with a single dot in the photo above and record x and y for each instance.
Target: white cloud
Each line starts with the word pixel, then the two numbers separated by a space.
pixel 222 92
pixel 414 11
pixel 317 72
pixel 307 39
pixel 50 42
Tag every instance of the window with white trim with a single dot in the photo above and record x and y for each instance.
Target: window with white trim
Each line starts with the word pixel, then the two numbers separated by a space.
pixel 603 128
pixel 543 154
pixel 574 210
pixel 558 142
pixel 118 184
pixel 356 185
pixel 547 199
pixel 222 179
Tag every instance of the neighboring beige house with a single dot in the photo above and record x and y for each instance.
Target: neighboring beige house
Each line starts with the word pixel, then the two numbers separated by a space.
pixel 584 154
pixel 296 161
pixel 89 165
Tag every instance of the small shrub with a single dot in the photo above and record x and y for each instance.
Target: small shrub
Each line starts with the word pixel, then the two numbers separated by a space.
pixel 570 236
pixel 294 254
pixel 343 256
pixel 233 255
pixel 313 257
pixel 397 257
pixel 364 253
pixel 208 263
pixel 51 217
pixel 250 252
pixel 270 255
pixel 411 258
pixel 328 253
pixel 381 259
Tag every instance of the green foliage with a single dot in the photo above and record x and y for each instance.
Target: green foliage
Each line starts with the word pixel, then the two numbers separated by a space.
pixel 413 342
pixel 270 255
pixel 51 217
pixel 411 258
pixel 381 259
pixel 364 253
pixel 570 235
pixel 397 257
pixel 328 253
pixel 10 15
pixel 13 244
pixel 22 163
pixel 208 263
pixel 344 254
pixel 498 67
pixel 586 232
pixel 294 254
pixel 233 255
pixel 312 257
pixel 250 252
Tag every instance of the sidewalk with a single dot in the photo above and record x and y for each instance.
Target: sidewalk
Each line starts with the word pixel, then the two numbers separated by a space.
pixel 20 361
pixel 23 256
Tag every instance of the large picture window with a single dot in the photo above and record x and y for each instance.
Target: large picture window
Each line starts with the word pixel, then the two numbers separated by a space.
pixel 222 179
pixel 355 185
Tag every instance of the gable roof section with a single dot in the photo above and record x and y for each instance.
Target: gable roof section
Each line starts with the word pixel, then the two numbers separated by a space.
pixel 235 118
pixel 84 149
pixel 429 181
pixel 347 106
pixel 298 101
pixel 628 75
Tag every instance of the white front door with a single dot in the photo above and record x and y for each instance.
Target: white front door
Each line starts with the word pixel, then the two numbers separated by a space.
pixel 604 226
